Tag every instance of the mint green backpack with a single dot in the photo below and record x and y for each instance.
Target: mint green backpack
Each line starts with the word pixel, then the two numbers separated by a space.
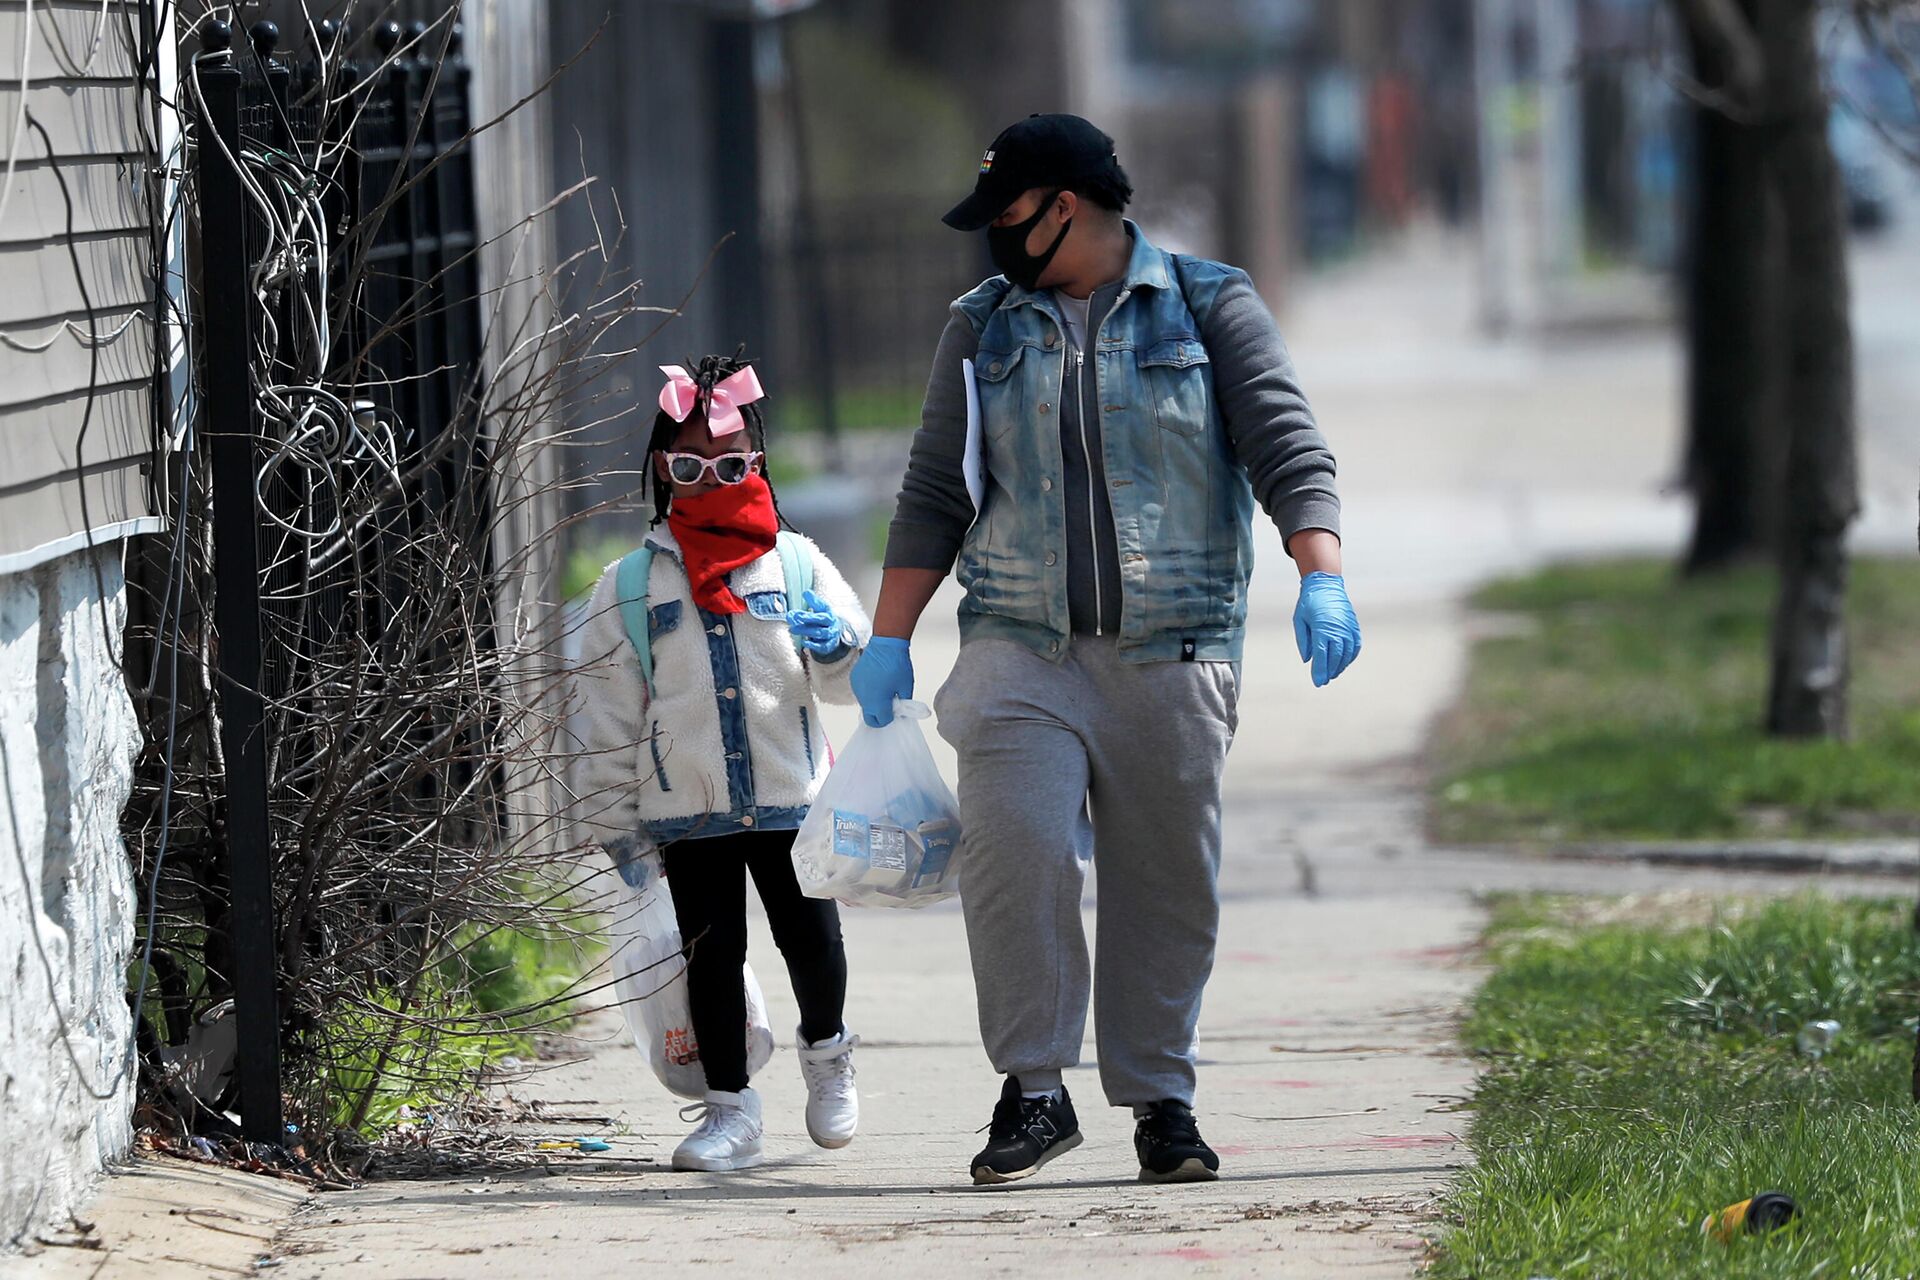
pixel 632 579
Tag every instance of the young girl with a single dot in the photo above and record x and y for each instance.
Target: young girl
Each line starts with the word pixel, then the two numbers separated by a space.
pixel 713 755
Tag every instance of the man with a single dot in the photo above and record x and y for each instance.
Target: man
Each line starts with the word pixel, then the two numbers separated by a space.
pixel 1134 405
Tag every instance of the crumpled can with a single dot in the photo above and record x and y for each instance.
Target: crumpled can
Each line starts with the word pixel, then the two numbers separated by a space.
pixel 1766 1212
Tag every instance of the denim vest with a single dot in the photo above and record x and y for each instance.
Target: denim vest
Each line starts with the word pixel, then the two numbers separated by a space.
pixel 1182 506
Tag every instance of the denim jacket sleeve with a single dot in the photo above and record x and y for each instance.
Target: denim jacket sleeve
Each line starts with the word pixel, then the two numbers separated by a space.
pixel 1267 416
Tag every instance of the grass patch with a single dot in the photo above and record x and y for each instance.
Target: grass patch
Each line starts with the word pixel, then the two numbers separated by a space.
pixel 856 409
pixel 488 998
pixel 586 563
pixel 1626 702
pixel 1640 1075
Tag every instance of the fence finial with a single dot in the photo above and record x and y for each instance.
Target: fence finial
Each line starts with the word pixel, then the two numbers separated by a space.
pixel 266 38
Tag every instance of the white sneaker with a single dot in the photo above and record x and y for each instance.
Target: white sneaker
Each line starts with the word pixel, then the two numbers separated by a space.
pixel 729 1134
pixel 833 1104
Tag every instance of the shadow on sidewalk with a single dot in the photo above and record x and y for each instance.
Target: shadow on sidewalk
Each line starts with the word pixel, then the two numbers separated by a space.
pixel 755 1185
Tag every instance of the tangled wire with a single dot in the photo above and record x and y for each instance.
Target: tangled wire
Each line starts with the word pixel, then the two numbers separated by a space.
pixel 430 905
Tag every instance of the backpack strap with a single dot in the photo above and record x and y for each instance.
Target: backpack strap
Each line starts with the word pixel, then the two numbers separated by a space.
pixel 631 581
pixel 1183 264
pixel 796 565
pixel 1179 261
pixel 633 576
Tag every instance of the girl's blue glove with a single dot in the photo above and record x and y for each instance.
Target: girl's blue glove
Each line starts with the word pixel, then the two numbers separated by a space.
pixel 884 672
pixel 818 628
pixel 1324 626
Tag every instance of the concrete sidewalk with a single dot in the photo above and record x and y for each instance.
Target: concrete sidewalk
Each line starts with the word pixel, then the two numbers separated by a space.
pixel 1328 1083
pixel 1330 1086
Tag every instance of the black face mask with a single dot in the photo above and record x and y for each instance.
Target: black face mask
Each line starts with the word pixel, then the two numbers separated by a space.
pixel 1008 245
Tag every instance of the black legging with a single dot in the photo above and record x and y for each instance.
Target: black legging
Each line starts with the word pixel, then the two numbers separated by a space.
pixel 710 902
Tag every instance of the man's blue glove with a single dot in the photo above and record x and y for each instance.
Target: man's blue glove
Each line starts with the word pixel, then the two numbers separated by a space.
pixel 883 673
pixel 818 628
pixel 1324 626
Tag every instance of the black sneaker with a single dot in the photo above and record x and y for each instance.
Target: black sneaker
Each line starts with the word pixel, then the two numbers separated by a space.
pixel 1168 1142
pixel 1024 1134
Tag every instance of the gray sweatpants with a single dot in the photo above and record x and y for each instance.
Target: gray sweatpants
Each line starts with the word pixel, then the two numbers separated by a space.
pixel 1090 759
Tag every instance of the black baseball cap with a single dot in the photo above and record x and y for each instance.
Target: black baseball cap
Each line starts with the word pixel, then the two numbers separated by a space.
pixel 1040 151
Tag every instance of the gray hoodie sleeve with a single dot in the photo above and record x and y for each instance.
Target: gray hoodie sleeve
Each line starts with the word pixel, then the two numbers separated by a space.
pixel 1272 427
pixel 934 512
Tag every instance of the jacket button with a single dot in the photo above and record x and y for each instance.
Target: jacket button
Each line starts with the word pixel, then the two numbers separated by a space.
pixel 1045 407
pixel 729 693
pixel 746 819
pixel 995 367
pixel 719 628
pixel 1051 339
pixel 1046 484
pixel 1052 559
pixel 1053 646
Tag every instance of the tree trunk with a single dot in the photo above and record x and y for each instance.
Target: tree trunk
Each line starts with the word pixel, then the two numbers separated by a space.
pixel 1810 667
pixel 1734 446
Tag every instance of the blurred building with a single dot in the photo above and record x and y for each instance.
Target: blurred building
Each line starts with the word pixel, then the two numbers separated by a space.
pixel 787 163
pixel 1583 147
pixel 1271 133
pixel 775 169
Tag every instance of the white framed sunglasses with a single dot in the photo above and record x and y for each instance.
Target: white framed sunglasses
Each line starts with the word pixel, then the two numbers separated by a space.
pixel 728 468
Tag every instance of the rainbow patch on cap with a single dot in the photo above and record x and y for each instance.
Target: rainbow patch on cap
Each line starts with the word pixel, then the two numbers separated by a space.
pixel 986 162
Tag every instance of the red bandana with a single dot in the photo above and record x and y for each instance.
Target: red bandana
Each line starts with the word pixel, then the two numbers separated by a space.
pixel 720 531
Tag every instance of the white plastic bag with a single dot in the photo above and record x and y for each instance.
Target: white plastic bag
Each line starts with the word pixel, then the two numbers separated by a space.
pixel 885 829
pixel 650 977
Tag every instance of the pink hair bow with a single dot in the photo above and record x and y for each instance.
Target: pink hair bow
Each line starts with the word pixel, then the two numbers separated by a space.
pixel 730 395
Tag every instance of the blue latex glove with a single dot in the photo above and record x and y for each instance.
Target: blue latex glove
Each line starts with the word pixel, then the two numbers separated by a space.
pixel 818 628
pixel 1324 626
pixel 883 673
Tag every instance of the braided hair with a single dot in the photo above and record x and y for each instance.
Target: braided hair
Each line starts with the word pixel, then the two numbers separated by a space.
pixel 706 371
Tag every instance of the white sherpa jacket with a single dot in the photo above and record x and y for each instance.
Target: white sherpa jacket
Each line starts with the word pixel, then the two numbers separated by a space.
pixel 731 739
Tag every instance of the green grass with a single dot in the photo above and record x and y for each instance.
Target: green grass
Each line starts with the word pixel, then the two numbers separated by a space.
pixel 1626 702
pixel 494 992
pixel 856 409
pixel 1642 1074
pixel 585 564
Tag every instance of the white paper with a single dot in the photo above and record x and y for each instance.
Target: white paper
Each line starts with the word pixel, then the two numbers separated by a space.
pixel 973 463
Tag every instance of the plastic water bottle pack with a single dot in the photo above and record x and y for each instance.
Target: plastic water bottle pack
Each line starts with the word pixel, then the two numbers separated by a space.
pixel 885 830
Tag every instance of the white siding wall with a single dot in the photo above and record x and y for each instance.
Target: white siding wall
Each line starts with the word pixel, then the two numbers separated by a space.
pixel 56 481
pixel 75 427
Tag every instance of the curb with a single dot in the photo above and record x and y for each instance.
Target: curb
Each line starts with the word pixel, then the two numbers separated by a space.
pixel 1860 858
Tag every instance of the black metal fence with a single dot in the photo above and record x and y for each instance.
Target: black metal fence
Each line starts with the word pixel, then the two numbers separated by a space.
pixel 348 350
pixel 870 305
